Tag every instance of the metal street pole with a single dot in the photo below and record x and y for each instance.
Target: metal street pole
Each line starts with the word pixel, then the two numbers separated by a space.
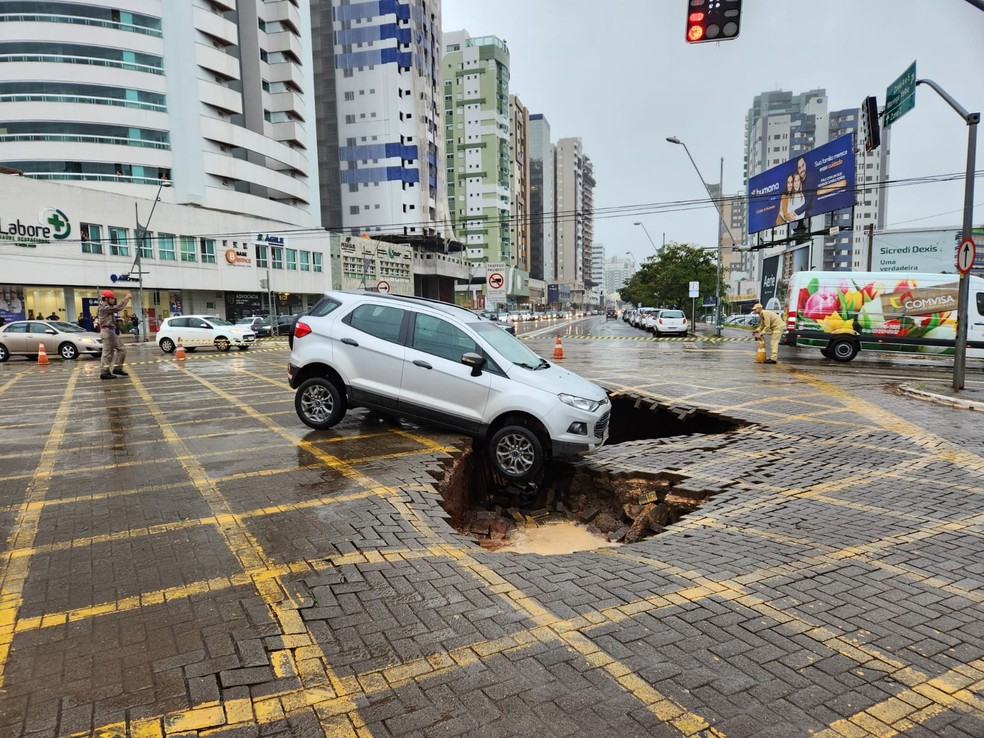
pixel 721 221
pixel 963 288
pixel 648 236
pixel 141 232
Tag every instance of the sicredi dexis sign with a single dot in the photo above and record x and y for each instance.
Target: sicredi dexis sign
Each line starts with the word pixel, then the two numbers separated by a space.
pixel 52 223
pixel 269 239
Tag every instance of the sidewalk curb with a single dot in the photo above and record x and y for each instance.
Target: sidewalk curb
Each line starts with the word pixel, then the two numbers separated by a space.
pixel 941 399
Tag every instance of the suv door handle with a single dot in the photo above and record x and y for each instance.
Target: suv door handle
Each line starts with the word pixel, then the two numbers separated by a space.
pixel 350 342
pixel 422 363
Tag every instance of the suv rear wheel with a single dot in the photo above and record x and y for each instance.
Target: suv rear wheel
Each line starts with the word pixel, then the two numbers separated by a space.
pixel 516 453
pixel 319 403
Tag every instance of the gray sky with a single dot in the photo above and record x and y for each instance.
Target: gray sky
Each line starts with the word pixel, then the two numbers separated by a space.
pixel 619 75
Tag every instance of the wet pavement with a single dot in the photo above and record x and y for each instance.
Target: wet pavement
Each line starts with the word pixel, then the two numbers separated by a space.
pixel 183 557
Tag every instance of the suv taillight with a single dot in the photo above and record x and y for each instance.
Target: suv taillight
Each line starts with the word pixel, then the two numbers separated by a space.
pixel 301 329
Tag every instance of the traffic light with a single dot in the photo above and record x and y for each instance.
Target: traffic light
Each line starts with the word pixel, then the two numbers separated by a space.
pixel 869 124
pixel 712 20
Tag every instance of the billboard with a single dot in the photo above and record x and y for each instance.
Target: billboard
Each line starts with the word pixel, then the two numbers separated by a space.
pixel 819 181
pixel 919 250
pixel 771 273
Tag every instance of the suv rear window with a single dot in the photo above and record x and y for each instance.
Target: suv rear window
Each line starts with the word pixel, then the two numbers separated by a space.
pixel 377 320
pixel 671 314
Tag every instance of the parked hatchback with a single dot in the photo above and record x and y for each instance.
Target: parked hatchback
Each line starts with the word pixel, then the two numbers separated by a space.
pixel 431 361
pixel 668 321
pixel 67 340
pixel 197 331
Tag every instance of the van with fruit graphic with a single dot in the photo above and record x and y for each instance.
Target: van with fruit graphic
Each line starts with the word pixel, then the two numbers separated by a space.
pixel 842 313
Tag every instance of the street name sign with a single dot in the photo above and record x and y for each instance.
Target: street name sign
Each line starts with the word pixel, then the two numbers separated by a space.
pixel 900 97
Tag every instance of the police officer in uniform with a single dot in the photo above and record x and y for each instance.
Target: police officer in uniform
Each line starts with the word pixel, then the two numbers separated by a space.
pixel 113 351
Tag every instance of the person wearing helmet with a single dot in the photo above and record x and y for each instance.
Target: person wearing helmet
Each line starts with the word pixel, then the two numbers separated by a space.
pixel 769 324
pixel 113 351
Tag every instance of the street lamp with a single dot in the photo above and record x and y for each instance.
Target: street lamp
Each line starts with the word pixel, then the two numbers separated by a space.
pixel 648 236
pixel 717 205
pixel 137 263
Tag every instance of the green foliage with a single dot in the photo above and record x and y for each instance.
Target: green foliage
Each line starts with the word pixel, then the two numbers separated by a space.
pixel 664 280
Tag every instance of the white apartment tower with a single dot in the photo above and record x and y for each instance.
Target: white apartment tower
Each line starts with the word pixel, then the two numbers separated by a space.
pixel 380 116
pixel 118 95
pixel 569 210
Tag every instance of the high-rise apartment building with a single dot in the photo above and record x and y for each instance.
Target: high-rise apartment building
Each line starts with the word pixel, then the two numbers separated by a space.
pixel 542 188
pixel 519 181
pixel 591 277
pixel 570 212
pixel 215 98
pixel 476 107
pixel 379 117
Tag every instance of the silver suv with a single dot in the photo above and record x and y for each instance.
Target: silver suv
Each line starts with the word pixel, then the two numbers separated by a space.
pixel 431 361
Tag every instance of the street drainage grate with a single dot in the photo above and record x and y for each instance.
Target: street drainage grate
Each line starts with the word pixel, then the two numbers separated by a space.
pixel 612 506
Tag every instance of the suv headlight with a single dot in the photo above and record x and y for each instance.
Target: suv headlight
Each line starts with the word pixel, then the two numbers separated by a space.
pixel 579 402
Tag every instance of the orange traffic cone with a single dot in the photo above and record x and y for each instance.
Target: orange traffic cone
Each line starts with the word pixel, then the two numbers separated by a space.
pixel 558 349
pixel 179 352
pixel 42 355
pixel 760 353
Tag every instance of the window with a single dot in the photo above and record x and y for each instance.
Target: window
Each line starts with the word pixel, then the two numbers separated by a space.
pixel 278 257
pixel 440 338
pixel 117 242
pixel 188 248
pixel 261 257
pixel 165 246
pixel 91 238
pixel 305 261
pixel 291 260
pixel 207 248
pixel 316 258
pixel 380 321
pixel 146 245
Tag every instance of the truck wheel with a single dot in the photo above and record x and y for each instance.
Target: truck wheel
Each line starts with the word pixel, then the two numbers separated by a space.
pixel 843 349
pixel 826 352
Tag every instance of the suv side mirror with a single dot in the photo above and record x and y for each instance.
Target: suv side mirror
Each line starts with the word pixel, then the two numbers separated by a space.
pixel 475 361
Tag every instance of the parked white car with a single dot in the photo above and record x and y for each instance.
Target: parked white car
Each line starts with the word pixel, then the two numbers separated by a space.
pixel 667 321
pixel 197 331
pixel 432 361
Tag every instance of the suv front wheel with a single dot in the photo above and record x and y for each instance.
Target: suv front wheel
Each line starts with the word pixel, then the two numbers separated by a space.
pixel 319 403
pixel 516 453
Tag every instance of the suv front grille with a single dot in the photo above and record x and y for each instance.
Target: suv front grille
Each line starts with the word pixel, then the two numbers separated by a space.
pixel 602 425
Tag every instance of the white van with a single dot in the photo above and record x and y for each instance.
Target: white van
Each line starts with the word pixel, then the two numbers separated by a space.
pixel 842 313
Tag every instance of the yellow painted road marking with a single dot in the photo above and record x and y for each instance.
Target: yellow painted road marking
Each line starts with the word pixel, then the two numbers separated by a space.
pixel 14 570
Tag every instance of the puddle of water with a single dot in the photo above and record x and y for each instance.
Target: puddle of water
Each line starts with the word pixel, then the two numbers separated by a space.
pixel 552 539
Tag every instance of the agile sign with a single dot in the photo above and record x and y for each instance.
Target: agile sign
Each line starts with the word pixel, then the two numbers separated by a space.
pixel 52 224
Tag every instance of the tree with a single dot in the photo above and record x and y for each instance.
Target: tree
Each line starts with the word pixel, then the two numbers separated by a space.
pixel 664 280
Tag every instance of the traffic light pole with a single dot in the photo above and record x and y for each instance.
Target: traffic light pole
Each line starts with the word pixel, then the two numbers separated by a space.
pixel 963 291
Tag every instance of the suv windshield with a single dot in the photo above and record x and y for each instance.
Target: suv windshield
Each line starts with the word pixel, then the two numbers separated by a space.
pixel 506 344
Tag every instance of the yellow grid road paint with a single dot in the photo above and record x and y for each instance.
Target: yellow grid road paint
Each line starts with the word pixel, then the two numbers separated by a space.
pixel 14 569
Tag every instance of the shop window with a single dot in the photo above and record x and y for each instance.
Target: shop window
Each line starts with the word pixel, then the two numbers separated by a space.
pixel 188 248
pixel 117 242
pixel 91 238
pixel 305 261
pixel 207 246
pixel 165 246
pixel 261 257
pixel 291 260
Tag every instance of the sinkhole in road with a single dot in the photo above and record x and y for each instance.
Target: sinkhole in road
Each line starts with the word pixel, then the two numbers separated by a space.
pixel 583 505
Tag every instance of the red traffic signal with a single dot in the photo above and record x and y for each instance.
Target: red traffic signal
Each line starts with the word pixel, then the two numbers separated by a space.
pixel 712 20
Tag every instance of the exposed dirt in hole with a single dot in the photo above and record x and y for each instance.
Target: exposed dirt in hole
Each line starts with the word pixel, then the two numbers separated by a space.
pixel 616 507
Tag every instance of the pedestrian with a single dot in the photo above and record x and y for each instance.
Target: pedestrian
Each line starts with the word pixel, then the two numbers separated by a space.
pixel 53 316
pixel 113 351
pixel 769 324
